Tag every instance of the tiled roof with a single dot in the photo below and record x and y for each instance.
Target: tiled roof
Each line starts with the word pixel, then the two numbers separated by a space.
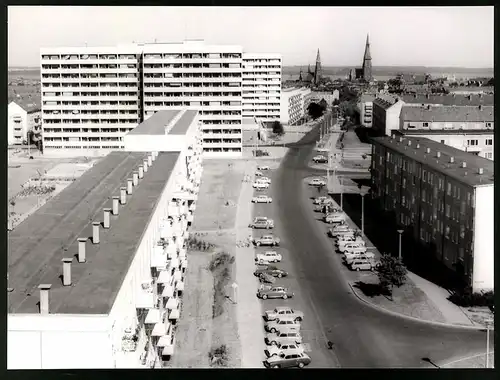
pixel 366 98
pixel 450 99
pixel 385 101
pixel 447 114
pixel 28 104
pixel 468 175
pixel 155 124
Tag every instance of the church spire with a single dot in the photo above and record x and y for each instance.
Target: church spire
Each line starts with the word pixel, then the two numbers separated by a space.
pixel 367 61
pixel 317 69
pixel 300 75
pixel 367 48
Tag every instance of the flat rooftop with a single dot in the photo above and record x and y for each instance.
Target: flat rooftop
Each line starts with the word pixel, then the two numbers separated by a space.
pixel 182 125
pixel 468 175
pixel 37 246
pixel 156 124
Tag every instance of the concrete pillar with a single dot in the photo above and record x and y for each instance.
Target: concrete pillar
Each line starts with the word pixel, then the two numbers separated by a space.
pixel 145 163
pixel 107 217
pixel 141 171
pixel 130 184
pixel 82 242
pixel 123 195
pixel 135 178
pixel 44 298
pixel 67 271
pixel 150 160
pixel 95 232
pixel 115 205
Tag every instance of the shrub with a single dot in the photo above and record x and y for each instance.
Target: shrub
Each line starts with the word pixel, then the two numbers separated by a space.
pixel 219 260
pixel 219 356
pixel 467 298
pixel 260 153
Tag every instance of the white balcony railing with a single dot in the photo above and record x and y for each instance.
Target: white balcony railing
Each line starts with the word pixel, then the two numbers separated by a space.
pixel 145 298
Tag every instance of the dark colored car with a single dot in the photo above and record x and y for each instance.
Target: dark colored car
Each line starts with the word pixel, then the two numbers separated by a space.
pixel 275 272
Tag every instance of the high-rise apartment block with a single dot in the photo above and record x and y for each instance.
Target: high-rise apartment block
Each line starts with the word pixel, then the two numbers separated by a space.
pixel 91 97
pixel 262 86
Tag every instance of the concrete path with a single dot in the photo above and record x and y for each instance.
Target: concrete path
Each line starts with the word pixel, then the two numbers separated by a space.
pixel 452 313
pixel 248 308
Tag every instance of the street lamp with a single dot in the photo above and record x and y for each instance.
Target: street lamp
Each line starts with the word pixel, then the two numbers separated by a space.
pixel 488 322
pixel 400 232
pixel 363 213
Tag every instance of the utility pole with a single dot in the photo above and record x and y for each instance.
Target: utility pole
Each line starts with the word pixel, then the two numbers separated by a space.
pixel 400 232
pixel 488 343
pixel 341 193
pixel 363 214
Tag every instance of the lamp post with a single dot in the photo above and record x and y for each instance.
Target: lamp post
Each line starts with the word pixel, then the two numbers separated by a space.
pixel 488 322
pixel 400 232
pixel 341 194
pixel 363 213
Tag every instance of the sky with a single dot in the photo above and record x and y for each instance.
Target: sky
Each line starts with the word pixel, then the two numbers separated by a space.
pixel 399 36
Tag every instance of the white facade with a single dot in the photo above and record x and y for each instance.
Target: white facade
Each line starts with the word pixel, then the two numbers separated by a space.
pixel 90 98
pixel 366 114
pixel 262 86
pixel 138 328
pixel 484 236
pixel 294 103
pixel 17 124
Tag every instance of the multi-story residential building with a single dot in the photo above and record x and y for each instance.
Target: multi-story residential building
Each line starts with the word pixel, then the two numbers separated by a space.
pixel 91 97
pixel 443 198
pixel 294 102
pixel 469 128
pixel 198 76
pixel 448 100
pixel 328 96
pixel 385 116
pixel 22 118
pixel 116 305
pixel 365 108
pixel 261 86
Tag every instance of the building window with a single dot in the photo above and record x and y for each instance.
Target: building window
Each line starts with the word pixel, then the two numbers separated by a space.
pixel 423 196
pixel 488 125
pixel 448 188
pixel 472 142
pixel 425 124
pixel 442 141
pixel 489 141
pixel 488 155
pixel 447 213
pixel 404 183
pixel 403 200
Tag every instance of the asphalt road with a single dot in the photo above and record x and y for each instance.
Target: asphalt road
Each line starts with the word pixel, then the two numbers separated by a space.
pixel 363 337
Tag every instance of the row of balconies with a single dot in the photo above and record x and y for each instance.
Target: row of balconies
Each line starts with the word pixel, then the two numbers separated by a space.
pixel 59 79
pixel 54 98
pixel 90 88
pixel 118 70
pixel 98 107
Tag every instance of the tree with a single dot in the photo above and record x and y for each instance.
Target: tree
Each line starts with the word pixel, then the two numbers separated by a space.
pixel 314 110
pixel 347 108
pixel 391 272
pixel 323 104
pixel 278 128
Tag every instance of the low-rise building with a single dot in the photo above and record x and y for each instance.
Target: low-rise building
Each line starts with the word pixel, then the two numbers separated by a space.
pixel 443 198
pixel 365 109
pixel 448 99
pixel 294 102
pixel 386 110
pixel 95 276
pixel 328 96
pixel 469 128
pixel 23 117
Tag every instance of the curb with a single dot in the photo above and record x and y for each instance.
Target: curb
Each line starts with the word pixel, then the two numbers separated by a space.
pixel 394 313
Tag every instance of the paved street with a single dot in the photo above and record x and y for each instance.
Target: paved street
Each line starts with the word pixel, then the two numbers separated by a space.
pixel 362 336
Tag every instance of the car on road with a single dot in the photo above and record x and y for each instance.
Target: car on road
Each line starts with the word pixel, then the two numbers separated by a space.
pixel 262 199
pixel 317 182
pixel 260 185
pixel 274 291
pixel 282 323
pixel 263 167
pixel 362 265
pixel 266 240
pixel 275 272
pixel 286 348
pixel 369 256
pixel 258 174
pixel 283 337
pixel 319 159
pixel 262 222
pixel 284 311
pixel 351 245
pixel 288 361
pixel 265 180
pixel 268 257
pixel 334 217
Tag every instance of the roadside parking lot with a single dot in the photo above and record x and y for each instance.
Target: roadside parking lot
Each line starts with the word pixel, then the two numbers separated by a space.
pixel 314 339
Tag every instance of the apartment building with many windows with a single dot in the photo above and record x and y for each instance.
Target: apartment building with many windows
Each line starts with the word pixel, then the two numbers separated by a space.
pixel 262 86
pixel 91 97
pixel 365 109
pixel 442 197
pixel 294 102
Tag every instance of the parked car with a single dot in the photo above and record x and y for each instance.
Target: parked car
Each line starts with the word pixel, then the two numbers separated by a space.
pixel 266 240
pixel 342 239
pixel 275 272
pixel 261 222
pixel 354 251
pixel 262 199
pixel 269 257
pixel 281 323
pixel 362 265
pixel 281 311
pixel 287 348
pixel 335 217
pixel 258 174
pixel 351 245
pixel 274 291
pixel 283 337
pixel 317 182
pixel 260 185
pixel 319 200
pixel 320 159
pixel 288 361
pixel 265 180
pixel 340 229
pixel 346 233
pixel 263 167
pixel 362 256
pixel 267 278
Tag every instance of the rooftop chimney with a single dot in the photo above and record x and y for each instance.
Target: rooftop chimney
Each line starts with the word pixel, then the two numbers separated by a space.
pixel 464 164
pixel 130 185
pixel 401 139
pixel 123 195
pixel 427 96
pixel 135 178
pixel 427 150
pixel 452 159
pixel 150 160
pixel 44 298
pixel 95 232
pixel 116 199
pixel 82 242
pixel 393 136
pixel 470 97
pixel 107 213
pixel 141 171
pixel 418 146
pixel 480 171
pixel 438 154
pixel 154 155
pixel 409 142
pixel 145 162
pixel 67 271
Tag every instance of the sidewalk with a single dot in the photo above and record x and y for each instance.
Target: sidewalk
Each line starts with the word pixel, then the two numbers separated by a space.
pixel 248 308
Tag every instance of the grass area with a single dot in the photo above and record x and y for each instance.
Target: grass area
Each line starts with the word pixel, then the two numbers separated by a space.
pixel 221 268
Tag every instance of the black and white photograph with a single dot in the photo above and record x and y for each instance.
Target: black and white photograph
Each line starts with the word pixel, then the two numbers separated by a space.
pixel 250 187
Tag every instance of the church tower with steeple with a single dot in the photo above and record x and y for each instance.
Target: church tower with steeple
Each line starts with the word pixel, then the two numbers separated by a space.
pixel 367 61
pixel 317 70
